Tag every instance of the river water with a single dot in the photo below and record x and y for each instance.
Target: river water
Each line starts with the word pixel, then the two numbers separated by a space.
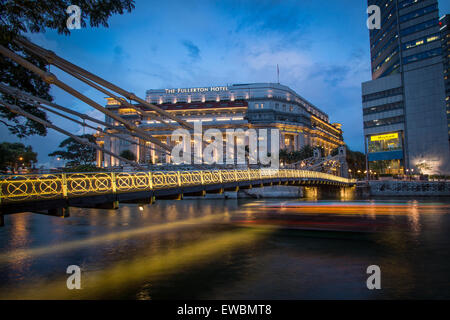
pixel 232 249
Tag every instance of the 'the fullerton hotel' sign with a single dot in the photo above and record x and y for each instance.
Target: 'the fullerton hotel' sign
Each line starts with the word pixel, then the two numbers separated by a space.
pixel 196 90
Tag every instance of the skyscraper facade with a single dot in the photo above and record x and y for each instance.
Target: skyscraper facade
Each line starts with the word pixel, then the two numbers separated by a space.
pixel 405 122
pixel 445 39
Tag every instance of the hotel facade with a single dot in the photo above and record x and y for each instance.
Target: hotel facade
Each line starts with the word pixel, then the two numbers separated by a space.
pixel 404 110
pixel 239 106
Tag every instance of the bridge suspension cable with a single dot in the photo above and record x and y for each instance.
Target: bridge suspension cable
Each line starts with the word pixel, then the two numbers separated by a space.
pixel 17 110
pixel 73 69
pixel 52 79
pixel 42 103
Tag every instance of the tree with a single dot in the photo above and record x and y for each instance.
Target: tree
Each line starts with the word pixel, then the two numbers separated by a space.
pixel 127 154
pixel 75 153
pixel 15 155
pixel 288 157
pixel 356 161
pixel 18 18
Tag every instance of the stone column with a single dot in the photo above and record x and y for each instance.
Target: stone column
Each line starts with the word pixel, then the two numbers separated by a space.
pixel 167 155
pixel 282 144
pixel 99 157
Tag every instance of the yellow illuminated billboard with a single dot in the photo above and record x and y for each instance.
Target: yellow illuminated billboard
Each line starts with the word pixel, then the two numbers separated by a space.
pixel 384 137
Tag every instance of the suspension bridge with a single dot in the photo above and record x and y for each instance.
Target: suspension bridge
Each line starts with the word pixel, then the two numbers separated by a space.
pixel 53 194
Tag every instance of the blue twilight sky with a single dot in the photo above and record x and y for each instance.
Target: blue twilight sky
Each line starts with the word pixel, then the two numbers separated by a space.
pixel 322 48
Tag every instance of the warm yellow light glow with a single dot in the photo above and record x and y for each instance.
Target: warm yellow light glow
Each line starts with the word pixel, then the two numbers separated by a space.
pixel 384 137
pixel 99 283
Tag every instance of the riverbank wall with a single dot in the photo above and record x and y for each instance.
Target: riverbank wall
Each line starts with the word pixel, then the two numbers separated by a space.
pixel 288 192
pixel 404 188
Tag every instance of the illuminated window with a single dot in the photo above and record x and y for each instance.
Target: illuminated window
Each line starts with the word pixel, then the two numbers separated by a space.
pixel 127 111
pixel 422 41
pixel 385 142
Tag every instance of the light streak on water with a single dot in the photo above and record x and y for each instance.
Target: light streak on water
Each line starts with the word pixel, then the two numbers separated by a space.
pixel 71 245
pixel 127 273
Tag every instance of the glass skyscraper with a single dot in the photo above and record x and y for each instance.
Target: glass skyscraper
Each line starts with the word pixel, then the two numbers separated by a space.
pixel 405 122
pixel 445 39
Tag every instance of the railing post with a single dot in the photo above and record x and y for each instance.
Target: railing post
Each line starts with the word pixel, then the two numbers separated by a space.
pixel 179 178
pixel 113 182
pixel 249 175
pixel 64 184
pixel 220 176
pixel 150 180
pixel 201 177
pixel 235 175
pixel 1 194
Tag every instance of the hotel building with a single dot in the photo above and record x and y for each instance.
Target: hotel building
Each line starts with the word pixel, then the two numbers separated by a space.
pixel 239 106
pixel 405 122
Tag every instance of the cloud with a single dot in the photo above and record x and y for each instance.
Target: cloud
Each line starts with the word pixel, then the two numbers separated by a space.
pixel 120 56
pixel 322 51
pixel 193 50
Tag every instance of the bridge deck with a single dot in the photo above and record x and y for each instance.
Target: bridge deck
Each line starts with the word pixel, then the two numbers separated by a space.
pixel 18 192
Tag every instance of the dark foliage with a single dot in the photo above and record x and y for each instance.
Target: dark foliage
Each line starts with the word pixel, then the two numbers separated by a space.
pixel 75 153
pixel 18 18
pixel 288 157
pixel 127 154
pixel 14 155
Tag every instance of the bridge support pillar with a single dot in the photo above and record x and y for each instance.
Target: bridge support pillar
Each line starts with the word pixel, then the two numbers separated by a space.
pixel 60 212
pixel 196 194
pixel 178 196
pixel 143 201
pixel 63 212
pixel 218 191
pixel 114 205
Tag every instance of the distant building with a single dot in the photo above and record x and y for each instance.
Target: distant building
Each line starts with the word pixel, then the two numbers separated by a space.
pixel 238 106
pixel 405 122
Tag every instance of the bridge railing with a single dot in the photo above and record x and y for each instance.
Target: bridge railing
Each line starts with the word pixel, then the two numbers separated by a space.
pixel 17 188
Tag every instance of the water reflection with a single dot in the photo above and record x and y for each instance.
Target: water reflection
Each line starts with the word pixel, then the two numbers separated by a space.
pixel 231 249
